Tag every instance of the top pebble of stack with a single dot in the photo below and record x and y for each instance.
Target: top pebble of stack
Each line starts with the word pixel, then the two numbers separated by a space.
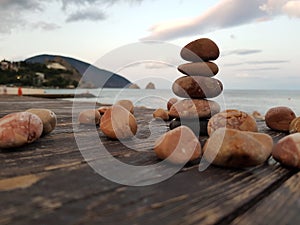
pixel 199 50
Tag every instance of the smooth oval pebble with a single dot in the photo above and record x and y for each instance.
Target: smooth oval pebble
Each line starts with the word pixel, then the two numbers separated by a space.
pixel 178 146
pixel 295 126
pixel 238 149
pixel 171 102
pixel 206 69
pixel 18 129
pixel 287 151
pixel 103 109
pixel 233 119
pixel 194 108
pixel 161 113
pixel 279 118
pixel 48 118
pixel 198 126
pixel 203 49
pixel 127 104
pixel 89 117
pixel 197 87
pixel 118 123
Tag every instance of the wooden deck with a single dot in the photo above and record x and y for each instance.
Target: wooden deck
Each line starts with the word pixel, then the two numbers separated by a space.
pixel 49 182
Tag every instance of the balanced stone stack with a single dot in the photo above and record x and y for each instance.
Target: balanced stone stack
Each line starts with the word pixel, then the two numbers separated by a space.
pixel 196 86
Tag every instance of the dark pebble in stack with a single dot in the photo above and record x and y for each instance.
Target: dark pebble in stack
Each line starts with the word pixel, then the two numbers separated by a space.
pixel 196 86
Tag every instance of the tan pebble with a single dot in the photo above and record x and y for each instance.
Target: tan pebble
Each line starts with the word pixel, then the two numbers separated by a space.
pixel 118 123
pixel 206 69
pixel 279 118
pixel 103 109
pixel 287 150
pixel 178 146
pixel 256 115
pixel 234 148
pixel 161 113
pixel 127 104
pixel 233 119
pixel 194 108
pixel 295 126
pixel 48 118
pixel 171 102
pixel 18 129
pixel 89 117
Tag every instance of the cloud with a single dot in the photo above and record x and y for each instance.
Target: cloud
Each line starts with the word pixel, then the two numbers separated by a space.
pixel 88 14
pixel 257 63
pixel 45 26
pixel 242 52
pixel 292 8
pixel 13 12
pixel 226 13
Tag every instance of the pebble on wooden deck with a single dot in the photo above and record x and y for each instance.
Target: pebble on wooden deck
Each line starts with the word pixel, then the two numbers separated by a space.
pixel 49 182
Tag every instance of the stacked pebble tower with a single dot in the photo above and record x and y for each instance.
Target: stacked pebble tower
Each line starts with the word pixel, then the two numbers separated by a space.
pixel 196 86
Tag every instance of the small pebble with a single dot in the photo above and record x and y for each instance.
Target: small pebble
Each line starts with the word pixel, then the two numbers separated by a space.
pixel 48 118
pixel 199 50
pixel 197 87
pixel 161 113
pixel 103 109
pixel 127 104
pixel 206 69
pixel 18 129
pixel 238 149
pixel 178 146
pixel 118 123
pixel 89 117
pixel 279 118
pixel 171 102
pixel 233 119
pixel 287 151
pixel 194 108
pixel 295 126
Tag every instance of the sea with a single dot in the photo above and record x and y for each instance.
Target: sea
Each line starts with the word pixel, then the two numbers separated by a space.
pixel 245 100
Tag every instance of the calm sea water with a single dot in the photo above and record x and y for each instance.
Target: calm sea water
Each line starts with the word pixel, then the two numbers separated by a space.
pixel 246 100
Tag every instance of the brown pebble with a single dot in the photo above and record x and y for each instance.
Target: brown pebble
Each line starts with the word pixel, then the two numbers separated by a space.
pixel 199 50
pixel 178 146
pixel 238 149
pixel 287 150
pixel 171 102
pixel 295 126
pixel 197 87
pixel 118 123
pixel 103 109
pixel 161 113
pixel 233 119
pixel 127 104
pixel 18 129
pixel 279 118
pixel 206 69
pixel 89 117
pixel 48 118
pixel 194 108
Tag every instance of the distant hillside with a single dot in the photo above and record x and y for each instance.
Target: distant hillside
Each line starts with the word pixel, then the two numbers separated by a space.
pixel 94 77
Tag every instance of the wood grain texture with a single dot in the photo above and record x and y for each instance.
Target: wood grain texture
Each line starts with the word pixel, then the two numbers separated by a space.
pixel 68 191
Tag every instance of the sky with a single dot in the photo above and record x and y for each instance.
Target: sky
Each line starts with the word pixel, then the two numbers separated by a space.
pixel 258 39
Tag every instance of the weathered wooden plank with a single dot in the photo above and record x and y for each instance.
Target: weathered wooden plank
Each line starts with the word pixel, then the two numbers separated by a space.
pixel 281 206
pixel 50 182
